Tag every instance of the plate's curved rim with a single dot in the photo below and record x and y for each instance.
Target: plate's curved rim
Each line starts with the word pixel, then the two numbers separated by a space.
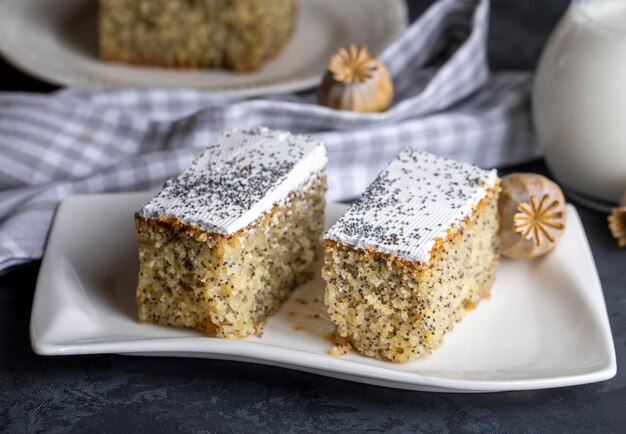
pixel 333 367
pixel 250 351
pixel 31 66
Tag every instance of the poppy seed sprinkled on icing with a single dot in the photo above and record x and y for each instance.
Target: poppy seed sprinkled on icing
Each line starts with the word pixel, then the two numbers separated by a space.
pixel 238 178
pixel 412 203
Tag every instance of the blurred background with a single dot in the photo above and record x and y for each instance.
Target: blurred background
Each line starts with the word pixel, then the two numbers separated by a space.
pixel 518 31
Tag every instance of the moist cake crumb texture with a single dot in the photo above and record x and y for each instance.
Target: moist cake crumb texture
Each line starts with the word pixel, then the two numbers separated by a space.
pixel 409 259
pixel 223 244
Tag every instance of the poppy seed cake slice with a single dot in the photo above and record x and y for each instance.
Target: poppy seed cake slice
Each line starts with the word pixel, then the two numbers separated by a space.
pixel 224 243
pixel 416 252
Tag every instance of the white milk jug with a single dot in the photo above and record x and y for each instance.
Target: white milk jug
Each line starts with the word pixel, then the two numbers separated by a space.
pixel 579 100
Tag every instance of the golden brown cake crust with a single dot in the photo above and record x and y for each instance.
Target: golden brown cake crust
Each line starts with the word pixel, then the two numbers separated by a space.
pixel 416 267
pixel 199 234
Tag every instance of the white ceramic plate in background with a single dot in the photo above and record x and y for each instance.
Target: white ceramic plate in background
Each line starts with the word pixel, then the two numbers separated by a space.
pixel 545 326
pixel 56 41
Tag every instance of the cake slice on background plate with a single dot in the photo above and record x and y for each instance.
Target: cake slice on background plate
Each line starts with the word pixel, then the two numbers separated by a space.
pixel 417 251
pixel 223 244
pixel 234 34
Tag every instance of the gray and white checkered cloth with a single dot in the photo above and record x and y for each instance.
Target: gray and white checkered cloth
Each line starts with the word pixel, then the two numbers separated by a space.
pixel 84 141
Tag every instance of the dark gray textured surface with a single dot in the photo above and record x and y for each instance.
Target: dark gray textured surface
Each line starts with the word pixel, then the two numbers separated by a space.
pixel 109 393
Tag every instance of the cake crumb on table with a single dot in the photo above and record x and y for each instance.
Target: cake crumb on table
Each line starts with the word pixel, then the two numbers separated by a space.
pixel 341 347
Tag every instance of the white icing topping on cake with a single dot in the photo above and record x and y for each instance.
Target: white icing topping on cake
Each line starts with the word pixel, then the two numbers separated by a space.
pixel 411 203
pixel 237 179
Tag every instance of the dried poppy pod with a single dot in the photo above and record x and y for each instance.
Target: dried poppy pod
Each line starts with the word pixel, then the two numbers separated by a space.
pixel 356 81
pixel 617 222
pixel 532 215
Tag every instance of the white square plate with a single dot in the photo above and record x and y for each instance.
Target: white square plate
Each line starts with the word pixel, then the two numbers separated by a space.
pixel 545 326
